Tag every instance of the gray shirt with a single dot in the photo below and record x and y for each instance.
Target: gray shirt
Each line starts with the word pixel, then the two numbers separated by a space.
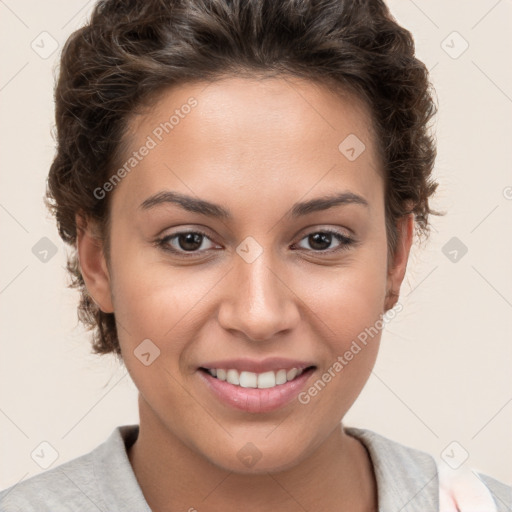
pixel 103 480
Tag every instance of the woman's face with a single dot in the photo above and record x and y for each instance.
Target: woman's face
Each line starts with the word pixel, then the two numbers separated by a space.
pixel 264 281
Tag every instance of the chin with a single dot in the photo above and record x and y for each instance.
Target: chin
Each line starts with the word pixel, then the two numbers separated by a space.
pixel 270 463
pixel 247 458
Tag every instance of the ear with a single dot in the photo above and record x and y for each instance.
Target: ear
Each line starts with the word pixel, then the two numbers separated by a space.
pixel 93 264
pixel 398 264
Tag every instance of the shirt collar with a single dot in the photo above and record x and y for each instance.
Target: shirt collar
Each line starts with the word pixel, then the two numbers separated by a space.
pixel 406 478
pixel 114 473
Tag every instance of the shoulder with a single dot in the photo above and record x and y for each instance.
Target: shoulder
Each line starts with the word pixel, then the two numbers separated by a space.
pixel 69 483
pixel 99 480
pixel 412 479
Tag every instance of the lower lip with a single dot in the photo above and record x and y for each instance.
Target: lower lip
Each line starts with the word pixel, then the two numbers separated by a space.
pixel 255 399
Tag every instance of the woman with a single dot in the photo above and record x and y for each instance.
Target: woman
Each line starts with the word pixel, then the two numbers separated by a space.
pixel 242 182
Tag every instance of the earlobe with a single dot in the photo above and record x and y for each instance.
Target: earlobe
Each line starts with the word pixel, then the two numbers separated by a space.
pixel 398 265
pixel 93 265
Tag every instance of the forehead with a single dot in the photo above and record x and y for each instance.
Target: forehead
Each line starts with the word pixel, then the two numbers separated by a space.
pixel 251 136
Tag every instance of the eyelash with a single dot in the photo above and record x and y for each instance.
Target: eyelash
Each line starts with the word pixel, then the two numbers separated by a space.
pixel 345 242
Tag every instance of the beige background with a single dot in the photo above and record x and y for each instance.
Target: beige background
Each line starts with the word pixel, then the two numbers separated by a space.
pixel 444 368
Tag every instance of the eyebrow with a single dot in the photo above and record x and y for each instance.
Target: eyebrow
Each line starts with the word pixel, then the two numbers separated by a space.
pixel 203 207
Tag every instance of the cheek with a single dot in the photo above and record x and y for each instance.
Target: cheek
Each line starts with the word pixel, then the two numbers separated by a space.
pixel 142 293
pixel 154 301
pixel 347 309
pixel 347 299
pixel 350 323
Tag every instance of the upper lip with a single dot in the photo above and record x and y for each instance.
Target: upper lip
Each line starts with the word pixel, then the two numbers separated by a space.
pixel 255 366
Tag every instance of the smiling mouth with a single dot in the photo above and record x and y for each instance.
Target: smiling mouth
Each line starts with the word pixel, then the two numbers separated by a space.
pixel 264 380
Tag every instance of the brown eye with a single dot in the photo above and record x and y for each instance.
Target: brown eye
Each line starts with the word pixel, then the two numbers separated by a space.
pixel 320 241
pixel 192 242
pixel 189 241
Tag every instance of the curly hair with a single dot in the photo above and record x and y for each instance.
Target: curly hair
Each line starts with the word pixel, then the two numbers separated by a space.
pixel 130 51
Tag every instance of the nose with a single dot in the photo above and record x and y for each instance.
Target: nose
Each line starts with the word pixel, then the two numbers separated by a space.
pixel 258 304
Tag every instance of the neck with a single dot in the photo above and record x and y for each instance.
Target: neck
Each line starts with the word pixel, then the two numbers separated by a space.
pixel 172 476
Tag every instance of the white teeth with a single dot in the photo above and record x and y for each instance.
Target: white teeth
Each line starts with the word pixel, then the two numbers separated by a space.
pixel 263 380
pixel 280 377
pixel 232 377
pixel 266 380
pixel 248 380
pixel 291 374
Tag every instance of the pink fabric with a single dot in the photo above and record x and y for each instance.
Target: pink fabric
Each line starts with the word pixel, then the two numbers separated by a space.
pixel 462 491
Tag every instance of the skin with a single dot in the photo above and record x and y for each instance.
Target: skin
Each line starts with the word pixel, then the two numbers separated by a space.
pixel 255 147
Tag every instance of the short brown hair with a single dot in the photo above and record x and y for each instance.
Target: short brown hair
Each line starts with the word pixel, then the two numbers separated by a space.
pixel 132 50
